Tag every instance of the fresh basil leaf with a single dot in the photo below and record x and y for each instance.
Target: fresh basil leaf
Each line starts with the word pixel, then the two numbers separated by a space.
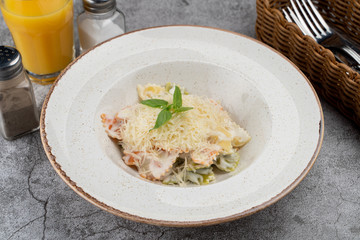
pixel 155 103
pixel 183 109
pixel 177 99
pixel 163 117
pixel 169 107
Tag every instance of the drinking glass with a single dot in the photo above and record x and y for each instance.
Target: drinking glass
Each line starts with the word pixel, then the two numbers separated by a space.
pixel 42 31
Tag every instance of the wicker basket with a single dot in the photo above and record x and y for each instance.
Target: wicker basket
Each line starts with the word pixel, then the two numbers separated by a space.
pixel 335 82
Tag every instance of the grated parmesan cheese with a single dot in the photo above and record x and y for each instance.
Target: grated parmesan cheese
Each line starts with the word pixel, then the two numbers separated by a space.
pixel 186 131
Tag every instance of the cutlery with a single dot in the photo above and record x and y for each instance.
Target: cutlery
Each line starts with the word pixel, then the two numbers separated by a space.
pixel 306 16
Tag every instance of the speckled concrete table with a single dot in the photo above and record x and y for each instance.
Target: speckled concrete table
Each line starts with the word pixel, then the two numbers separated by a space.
pixel 36 204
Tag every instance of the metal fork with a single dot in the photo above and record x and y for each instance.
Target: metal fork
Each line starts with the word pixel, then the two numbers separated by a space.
pixel 311 23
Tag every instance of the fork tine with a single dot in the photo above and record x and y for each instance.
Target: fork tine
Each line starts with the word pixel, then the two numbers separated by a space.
pixel 319 17
pixel 287 16
pixel 318 31
pixel 291 17
pixel 299 20
pixel 313 18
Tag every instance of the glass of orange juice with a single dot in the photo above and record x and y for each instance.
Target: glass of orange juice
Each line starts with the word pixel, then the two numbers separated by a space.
pixel 43 33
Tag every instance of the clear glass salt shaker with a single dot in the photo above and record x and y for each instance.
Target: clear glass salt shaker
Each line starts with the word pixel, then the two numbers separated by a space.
pixel 18 112
pixel 100 21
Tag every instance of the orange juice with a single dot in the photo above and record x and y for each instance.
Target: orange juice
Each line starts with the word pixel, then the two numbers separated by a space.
pixel 42 31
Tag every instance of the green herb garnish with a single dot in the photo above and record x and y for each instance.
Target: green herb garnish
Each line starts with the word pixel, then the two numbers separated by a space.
pixel 167 109
pixel 164 116
pixel 177 98
pixel 155 103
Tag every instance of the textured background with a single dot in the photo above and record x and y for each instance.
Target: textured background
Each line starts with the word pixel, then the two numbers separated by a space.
pixel 36 204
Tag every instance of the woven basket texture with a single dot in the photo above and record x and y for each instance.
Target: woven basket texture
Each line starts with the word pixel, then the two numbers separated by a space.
pixel 335 82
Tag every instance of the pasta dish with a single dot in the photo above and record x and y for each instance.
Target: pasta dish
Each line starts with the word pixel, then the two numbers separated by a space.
pixel 175 137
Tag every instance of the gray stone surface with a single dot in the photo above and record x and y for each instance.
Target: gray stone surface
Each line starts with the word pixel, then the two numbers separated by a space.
pixel 36 204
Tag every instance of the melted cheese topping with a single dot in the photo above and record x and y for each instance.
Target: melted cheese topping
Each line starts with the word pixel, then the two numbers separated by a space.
pixel 206 130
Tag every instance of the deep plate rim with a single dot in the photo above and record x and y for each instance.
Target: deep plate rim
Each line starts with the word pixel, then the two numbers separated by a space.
pixel 94 201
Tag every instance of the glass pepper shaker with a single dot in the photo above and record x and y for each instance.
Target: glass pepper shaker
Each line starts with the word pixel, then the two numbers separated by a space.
pixel 100 21
pixel 18 112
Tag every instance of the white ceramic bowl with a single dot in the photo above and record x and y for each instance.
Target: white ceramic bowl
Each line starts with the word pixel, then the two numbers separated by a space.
pixel 262 90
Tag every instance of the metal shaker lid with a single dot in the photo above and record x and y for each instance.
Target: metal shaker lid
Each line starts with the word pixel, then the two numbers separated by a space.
pixel 99 6
pixel 10 63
